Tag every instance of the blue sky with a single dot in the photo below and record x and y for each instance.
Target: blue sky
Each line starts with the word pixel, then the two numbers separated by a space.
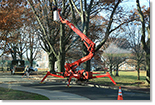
pixel 130 4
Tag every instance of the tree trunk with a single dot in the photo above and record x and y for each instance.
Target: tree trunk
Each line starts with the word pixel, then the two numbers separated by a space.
pixel 148 67
pixel 14 53
pixel 31 62
pixel 60 63
pixel 21 56
pixel 146 45
pixel 86 65
pixel 51 62
pixel 138 71
pixel 61 55
pixel 110 69
pixel 117 71
pixel 31 56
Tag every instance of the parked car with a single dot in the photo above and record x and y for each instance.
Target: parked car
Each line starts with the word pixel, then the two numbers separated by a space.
pixel 17 66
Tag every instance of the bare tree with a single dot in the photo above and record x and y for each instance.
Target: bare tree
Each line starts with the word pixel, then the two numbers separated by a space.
pixel 134 36
pixel 32 45
pixel 145 44
pixel 116 51
pixel 54 35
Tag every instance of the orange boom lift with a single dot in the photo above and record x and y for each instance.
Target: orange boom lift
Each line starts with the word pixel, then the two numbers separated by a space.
pixel 71 71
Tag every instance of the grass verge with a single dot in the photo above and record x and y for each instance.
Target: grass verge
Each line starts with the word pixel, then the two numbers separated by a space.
pixel 9 94
pixel 126 78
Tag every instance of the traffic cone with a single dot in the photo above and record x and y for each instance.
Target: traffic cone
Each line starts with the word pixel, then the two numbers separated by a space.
pixel 120 96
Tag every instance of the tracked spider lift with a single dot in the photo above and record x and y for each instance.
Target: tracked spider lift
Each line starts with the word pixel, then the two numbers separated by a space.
pixel 71 71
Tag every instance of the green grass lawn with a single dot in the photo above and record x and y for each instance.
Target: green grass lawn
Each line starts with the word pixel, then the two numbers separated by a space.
pixel 124 78
pixel 9 94
pixel 127 78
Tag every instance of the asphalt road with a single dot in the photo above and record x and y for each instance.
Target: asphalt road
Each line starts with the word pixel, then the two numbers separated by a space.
pixel 92 93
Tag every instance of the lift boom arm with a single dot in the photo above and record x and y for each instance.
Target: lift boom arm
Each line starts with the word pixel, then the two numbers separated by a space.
pixel 88 43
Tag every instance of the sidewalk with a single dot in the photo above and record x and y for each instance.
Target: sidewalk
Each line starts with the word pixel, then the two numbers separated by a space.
pixel 14 81
pixel 52 95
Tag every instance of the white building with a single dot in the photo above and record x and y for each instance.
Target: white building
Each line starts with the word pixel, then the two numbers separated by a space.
pixel 42 60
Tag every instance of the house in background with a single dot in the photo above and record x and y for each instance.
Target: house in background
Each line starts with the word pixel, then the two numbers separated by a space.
pixel 118 47
pixel 131 64
pixel 42 61
pixel 128 64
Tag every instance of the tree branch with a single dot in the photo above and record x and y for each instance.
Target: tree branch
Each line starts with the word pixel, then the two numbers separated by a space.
pixel 75 7
pixel 108 27
pixel 43 29
pixel 143 27
pixel 38 19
